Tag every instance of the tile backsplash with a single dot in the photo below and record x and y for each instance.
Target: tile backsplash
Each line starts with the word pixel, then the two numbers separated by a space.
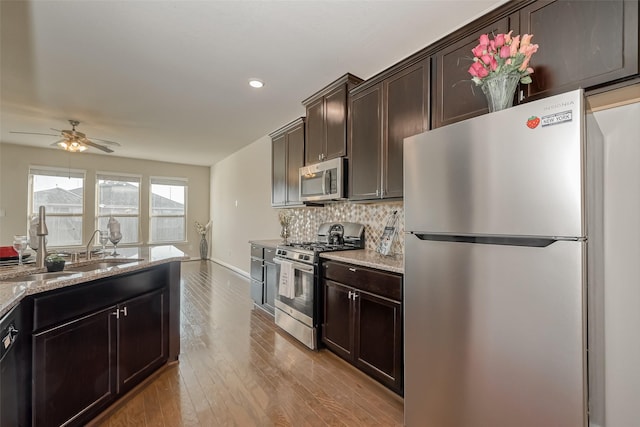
pixel 373 216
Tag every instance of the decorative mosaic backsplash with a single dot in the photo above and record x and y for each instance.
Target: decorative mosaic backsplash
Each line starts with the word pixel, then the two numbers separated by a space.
pixel 373 216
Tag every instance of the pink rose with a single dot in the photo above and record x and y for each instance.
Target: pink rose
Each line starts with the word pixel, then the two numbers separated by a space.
pixel 499 40
pixel 486 59
pixel 515 43
pixel 505 52
pixel 526 39
pixel 494 64
pixel 530 50
pixel 507 37
pixel 478 70
pixel 484 40
pixel 478 51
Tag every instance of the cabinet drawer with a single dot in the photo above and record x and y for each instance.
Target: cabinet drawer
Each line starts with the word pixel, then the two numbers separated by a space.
pixel 256 269
pixel 388 285
pixel 269 253
pixel 58 306
pixel 256 251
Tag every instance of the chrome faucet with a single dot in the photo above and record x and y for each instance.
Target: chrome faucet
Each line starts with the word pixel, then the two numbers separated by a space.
pixel 41 232
pixel 89 244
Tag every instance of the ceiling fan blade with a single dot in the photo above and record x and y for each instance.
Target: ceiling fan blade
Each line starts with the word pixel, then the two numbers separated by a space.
pixel 57 130
pixel 34 133
pixel 106 141
pixel 98 146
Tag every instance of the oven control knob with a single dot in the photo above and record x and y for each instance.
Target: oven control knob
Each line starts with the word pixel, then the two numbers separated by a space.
pixel 307 257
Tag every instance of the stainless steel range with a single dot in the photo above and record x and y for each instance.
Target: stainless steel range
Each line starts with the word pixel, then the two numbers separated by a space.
pixel 299 298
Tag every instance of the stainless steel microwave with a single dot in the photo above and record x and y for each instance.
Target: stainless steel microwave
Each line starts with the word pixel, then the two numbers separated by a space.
pixel 322 181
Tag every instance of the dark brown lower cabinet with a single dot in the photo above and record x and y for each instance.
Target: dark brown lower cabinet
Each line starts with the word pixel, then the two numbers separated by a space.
pixel 142 344
pixel 83 364
pixel 363 320
pixel 74 369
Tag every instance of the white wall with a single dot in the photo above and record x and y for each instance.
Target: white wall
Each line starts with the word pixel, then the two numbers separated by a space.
pixel 621 129
pixel 241 204
pixel 14 171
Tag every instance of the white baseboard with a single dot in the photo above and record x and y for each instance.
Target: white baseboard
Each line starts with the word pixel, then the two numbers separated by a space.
pixel 231 267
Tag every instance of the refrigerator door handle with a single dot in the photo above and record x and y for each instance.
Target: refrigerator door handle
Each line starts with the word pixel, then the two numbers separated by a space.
pixel 536 242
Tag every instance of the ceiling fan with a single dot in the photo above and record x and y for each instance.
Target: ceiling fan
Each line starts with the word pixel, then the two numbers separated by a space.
pixel 76 141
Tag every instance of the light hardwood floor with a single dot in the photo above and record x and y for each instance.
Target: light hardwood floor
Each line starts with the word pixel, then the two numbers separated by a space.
pixel 238 369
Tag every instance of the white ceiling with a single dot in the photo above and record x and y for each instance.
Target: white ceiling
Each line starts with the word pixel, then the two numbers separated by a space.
pixel 169 79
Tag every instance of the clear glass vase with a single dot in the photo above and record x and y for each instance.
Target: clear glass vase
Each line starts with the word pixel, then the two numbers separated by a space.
pixel 499 90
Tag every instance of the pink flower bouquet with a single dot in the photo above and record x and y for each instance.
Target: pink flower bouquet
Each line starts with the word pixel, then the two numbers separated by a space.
pixel 502 55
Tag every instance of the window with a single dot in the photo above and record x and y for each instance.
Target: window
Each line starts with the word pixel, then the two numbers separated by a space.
pixel 168 214
pixel 118 196
pixel 61 192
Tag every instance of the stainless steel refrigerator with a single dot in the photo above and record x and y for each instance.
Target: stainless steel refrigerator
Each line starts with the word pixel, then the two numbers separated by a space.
pixel 503 269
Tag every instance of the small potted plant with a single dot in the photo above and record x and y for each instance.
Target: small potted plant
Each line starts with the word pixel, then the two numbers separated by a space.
pixel 54 262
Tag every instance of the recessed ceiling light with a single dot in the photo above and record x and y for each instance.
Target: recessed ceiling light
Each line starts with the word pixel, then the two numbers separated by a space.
pixel 256 83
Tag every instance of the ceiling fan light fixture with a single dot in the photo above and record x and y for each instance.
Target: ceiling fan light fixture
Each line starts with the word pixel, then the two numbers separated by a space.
pixel 72 146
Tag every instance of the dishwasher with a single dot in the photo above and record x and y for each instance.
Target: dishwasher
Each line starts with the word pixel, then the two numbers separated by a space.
pixel 11 374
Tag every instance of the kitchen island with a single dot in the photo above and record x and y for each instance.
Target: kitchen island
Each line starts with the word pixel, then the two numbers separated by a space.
pixel 90 336
pixel 133 258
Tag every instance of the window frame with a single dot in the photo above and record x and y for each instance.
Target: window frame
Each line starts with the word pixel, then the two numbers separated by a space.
pixel 39 170
pixel 175 181
pixel 121 177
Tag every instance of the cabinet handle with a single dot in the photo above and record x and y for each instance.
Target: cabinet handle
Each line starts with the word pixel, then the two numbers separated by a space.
pixel 352 269
pixel 355 295
pixel 319 156
pixel 117 312
pixel 521 95
pixel 377 193
pixel 350 293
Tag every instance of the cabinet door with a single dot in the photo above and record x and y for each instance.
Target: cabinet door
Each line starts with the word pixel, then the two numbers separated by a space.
pixel 337 330
pixel 582 43
pixel 315 132
pixel 142 337
pixel 270 280
pixel 295 160
pixel 257 292
pixel 279 170
pixel 335 114
pixel 365 144
pixel 456 96
pixel 73 370
pixel 407 114
pixel 378 339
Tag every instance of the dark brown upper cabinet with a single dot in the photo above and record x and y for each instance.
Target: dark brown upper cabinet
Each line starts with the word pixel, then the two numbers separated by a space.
pixel 582 44
pixel 287 157
pixel 326 126
pixel 456 97
pixel 587 44
pixel 382 114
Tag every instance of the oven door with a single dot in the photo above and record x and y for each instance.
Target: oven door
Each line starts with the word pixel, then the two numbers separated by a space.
pixel 300 307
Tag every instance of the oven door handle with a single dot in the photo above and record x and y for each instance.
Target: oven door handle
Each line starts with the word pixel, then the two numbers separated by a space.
pixel 296 265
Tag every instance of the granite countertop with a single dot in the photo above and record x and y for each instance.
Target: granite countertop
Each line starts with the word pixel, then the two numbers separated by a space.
pixel 268 243
pixel 133 258
pixel 368 258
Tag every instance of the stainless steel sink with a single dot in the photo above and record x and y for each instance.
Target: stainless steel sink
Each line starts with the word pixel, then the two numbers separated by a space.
pixel 39 276
pixel 99 264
